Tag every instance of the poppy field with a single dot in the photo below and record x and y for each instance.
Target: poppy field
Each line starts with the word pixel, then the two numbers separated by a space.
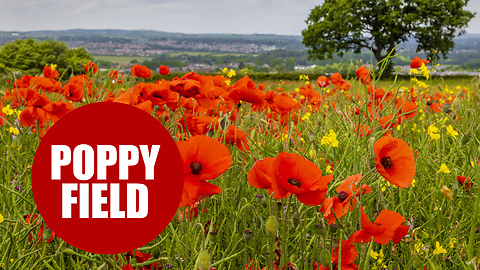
pixel 332 172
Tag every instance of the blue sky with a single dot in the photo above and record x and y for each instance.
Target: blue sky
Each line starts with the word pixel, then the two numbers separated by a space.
pixel 286 17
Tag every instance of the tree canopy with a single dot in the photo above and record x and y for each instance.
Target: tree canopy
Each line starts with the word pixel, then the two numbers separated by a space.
pixel 29 56
pixel 340 26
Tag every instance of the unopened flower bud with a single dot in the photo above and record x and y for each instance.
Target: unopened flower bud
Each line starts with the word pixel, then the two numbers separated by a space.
pixel 68 251
pixel 318 229
pixel 212 236
pixel 203 260
pixel 271 225
pixel 325 258
pixel 311 136
pixel 333 227
pixel 335 243
pixel 47 233
pixel 155 252
pixel 247 235
pixel 447 108
pixel 103 266
pixel 447 192
pixel 279 206
pixel 259 198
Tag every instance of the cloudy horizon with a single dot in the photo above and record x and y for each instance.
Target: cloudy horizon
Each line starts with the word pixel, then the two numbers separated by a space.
pixel 281 17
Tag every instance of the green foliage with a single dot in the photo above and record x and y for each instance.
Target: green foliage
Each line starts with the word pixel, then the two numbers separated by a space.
pixel 472 63
pixel 340 26
pixel 29 56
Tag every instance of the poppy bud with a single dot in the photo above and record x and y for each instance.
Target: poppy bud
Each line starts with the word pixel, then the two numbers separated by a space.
pixel 466 138
pixel 335 243
pixel 212 236
pixel 203 260
pixel 318 229
pixel 247 235
pixel 103 266
pixel 447 192
pixel 280 147
pixel 371 163
pixel 68 251
pixel 272 225
pixel 259 198
pixel 325 258
pixel 47 233
pixel 295 219
pixel 311 136
pixel 155 252
pixel 333 227
pixel 447 108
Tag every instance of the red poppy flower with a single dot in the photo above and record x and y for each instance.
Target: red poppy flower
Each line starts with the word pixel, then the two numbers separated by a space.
pixel 349 255
pixel 406 107
pixel 296 175
pixel 204 158
pixel 164 70
pixel 363 130
pixel 236 136
pixel 394 161
pixel 91 67
pixel 73 91
pixel 323 81
pixel 363 75
pixel 387 226
pixel 417 62
pixel 464 182
pixel 346 201
pixel 48 73
pixel 141 71
pixel 261 175
pixel 30 220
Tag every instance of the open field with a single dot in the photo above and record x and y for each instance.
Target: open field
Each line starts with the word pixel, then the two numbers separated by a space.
pixel 335 174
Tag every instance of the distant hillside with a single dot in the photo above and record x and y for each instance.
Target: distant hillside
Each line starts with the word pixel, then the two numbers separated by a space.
pixel 151 43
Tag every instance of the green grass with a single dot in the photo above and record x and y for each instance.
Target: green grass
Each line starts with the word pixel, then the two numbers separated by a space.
pixel 433 217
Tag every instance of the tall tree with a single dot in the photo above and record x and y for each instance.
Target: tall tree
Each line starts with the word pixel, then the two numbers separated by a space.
pixel 340 26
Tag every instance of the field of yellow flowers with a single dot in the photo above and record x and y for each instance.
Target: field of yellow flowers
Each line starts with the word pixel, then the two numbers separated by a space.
pixel 325 173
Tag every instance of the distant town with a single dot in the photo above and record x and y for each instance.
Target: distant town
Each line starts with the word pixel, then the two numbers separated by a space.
pixel 210 52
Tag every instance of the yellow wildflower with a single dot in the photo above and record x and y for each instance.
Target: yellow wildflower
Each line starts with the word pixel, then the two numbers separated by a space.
pixel 231 73
pixel 1 218
pixel 451 131
pixel 432 131
pixel 439 249
pixel 330 138
pixel 14 130
pixel 443 169
pixel 6 110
